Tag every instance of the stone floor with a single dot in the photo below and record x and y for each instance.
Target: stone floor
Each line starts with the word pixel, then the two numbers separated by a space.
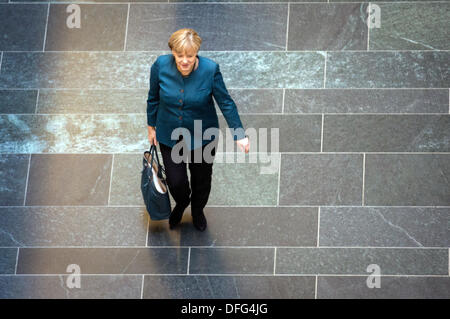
pixel 361 185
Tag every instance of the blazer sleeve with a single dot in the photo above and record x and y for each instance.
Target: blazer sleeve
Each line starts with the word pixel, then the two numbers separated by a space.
pixel 153 95
pixel 227 105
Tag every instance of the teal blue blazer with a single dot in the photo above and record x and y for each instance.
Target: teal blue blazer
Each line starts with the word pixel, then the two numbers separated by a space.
pixel 175 101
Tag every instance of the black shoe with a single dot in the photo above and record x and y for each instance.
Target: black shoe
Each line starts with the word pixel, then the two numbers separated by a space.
pixel 176 215
pixel 199 219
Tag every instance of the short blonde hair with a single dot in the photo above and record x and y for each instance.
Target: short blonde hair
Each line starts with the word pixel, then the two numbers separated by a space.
pixel 183 39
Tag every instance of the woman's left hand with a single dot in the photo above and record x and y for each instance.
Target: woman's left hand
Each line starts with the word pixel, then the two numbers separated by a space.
pixel 244 144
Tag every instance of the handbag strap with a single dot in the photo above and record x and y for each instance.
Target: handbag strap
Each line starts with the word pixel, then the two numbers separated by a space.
pixel 154 153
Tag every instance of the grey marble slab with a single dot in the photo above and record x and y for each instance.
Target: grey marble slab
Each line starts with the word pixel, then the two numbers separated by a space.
pixel 412 26
pixel 18 35
pixel 407 180
pixel 296 133
pixel 234 183
pixel 13 177
pixel 229 287
pixel 242 226
pixel 348 287
pixel 73 133
pixel 55 287
pixel 8 258
pixel 249 26
pixel 386 133
pixel 86 101
pixel 73 226
pixel 69 179
pixel 366 101
pixel 244 1
pixel 405 69
pixel 95 101
pixel 102 27
pixel 121 70
pixel 327 27
pixel 92 69
pixel 252 182
pixel 269 70
pixel 18 101
pixel 231 261
pixel 385 226
pixel 103 260
pixel 355 261
pixel 256 100
pixel 321 179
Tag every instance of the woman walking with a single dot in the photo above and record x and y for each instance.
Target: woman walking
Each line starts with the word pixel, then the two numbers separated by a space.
pixel 181 88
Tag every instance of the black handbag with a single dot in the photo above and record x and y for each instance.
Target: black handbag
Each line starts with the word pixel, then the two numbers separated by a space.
pixel 154 186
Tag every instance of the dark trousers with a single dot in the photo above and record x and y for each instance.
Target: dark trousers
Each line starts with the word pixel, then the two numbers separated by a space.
pixel 177 178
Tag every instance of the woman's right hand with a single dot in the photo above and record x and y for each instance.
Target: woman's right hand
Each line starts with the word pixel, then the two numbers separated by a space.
pixel 152 135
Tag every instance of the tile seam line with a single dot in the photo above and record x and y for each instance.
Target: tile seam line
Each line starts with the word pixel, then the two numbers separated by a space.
pixel 26 182
pixel 46 27
pixel 110 179
pixel 142 286
pixel 284 114
pixel 17 260
pixel 315 287
pixel 126 28
pixel 230 88
pixel 231 206
pixel 214 2
pixel 236 153
pixel 156 52
pixel 226 274
pixel 444 248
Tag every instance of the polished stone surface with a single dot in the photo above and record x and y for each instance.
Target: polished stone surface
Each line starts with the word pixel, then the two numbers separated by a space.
pixel 359 177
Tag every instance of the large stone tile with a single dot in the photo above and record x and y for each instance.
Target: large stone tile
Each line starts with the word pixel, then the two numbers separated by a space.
pixel 18 101
pixel 381 133
pixel 327 26
pixel 103 260
pixel 297 133
pixel 69 179
pixel 250 26
pixel 17 33
pixel 407 180
pixel 321 179
pixel 53 101
pixel 73 133
pixel 231 261
pixel 382 226
pixel 120 70
pixel 253 182
pixel 55 287
pixel 73 226
pixel 388 69
pixel 92 101
pixel 102 27
pixel 242 226
pixel 268 70
pixel 412 26
pixel 229 287
pixel 8 258
pixel 366 101
pixel 256 100
pixel 93 69
pixel 390 288
pixel 233 183
pixel 13 177
pixel 355 261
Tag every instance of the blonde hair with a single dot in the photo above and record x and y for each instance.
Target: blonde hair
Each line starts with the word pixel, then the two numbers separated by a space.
pixel 183 39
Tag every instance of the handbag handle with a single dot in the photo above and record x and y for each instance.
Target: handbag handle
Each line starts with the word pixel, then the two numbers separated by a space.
pixel 154 153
